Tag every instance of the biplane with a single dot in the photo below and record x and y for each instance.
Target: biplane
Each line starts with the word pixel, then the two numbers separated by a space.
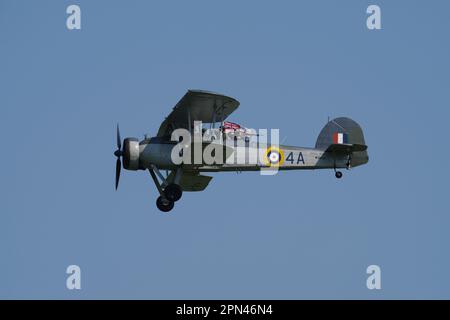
pixel 340 145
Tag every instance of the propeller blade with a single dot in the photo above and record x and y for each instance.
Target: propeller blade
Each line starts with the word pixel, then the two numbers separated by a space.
pixel 118 165
pixel 119 141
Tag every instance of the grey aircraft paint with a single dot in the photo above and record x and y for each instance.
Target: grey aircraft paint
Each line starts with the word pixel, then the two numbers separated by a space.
pixel 340 144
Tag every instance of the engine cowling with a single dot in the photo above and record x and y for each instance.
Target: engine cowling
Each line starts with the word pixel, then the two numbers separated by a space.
pixel 131 154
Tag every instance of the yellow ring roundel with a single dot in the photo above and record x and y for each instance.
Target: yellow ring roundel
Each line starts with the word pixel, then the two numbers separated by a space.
pixel 274 156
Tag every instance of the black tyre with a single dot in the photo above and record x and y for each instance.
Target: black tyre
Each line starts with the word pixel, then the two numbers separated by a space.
pixel 164 205
pixel 338 174
pixel 173 192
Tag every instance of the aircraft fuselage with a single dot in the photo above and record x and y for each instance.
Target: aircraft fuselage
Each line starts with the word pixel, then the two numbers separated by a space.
pixel 249 158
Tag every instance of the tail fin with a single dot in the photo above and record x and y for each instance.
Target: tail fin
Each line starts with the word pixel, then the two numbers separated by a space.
pixel 344 137
pixel 341 131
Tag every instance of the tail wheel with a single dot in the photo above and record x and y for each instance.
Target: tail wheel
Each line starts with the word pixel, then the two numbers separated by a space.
pixel 173 192
pixel 338 174
pixel 164 205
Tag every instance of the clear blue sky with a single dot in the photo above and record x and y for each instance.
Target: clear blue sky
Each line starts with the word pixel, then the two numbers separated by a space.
pixel 291 64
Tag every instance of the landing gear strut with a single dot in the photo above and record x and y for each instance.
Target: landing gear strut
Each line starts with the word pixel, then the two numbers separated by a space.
pixel 338 174
pixel 169 192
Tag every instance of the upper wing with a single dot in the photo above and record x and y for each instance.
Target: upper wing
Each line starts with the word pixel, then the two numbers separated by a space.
pixel 197 105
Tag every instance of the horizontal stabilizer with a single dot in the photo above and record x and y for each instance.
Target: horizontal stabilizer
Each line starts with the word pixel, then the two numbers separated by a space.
pixel 346 148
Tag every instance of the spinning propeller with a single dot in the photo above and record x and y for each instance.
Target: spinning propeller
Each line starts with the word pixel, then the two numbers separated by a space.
pixel 118 153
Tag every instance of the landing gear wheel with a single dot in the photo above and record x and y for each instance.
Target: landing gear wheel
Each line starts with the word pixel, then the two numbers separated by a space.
pixel 164 205
pixel 173 192
pixel 338 174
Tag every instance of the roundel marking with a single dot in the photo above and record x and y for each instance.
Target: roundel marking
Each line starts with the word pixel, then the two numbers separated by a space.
pixel 274 156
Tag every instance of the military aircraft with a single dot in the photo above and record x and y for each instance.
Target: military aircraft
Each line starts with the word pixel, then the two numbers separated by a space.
pixel 340 144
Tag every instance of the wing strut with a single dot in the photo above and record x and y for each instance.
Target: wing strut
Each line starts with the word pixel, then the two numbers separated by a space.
pixel 189 118
pixel 213 123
